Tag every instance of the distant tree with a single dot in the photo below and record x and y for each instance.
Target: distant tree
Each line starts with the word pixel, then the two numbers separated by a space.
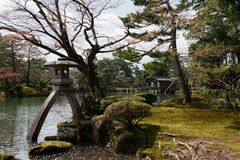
pixel 139 77
pixel 4 53
pixel 161 66
pixel 7 78
pixel 115 73
pixel 13 45
pixel 34 62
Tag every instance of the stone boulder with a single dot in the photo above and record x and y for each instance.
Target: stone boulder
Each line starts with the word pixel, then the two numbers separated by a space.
pixel 68 131
pixel 50 147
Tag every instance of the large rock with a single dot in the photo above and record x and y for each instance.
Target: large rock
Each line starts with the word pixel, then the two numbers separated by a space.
pixel 6 156
pixel 68 131
pixel 75 132
pixel 50 147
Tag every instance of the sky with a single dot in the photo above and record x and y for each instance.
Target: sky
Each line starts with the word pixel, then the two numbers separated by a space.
pixel 110 22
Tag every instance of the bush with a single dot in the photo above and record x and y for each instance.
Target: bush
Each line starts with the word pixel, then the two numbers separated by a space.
pixel 91 106
pixel 27 91
pixel 130 141
pixel 149 97
pixel 111 99
pixel 128 113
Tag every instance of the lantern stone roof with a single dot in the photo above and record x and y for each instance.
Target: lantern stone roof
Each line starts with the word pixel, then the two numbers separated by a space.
pixel 60 63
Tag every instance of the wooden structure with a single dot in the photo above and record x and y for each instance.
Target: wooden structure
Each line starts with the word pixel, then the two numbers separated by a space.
pixel 61 85
pixel 163 84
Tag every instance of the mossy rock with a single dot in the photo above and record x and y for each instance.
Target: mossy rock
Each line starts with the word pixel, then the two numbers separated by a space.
pixel 50 147
pixel 130 141
pixel 67 131
pixel 149 97
pixel 6 156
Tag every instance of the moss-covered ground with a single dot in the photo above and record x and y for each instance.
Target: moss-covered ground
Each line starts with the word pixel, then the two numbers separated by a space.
pixel 218 126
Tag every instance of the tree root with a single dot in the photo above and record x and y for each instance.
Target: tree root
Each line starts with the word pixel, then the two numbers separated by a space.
pixel 186 151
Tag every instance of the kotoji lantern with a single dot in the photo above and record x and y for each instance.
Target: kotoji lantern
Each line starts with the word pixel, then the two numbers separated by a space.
pixel 62 84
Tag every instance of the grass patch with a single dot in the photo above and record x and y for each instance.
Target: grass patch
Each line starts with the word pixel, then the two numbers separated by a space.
pixel 220 126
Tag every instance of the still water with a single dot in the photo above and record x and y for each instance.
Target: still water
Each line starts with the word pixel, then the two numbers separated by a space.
pixel 16 116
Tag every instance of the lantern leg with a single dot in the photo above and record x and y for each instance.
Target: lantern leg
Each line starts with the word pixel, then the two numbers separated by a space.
pixel 41 116
pixel 76 109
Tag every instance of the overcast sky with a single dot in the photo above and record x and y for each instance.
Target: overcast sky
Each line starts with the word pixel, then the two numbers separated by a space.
pixel 110 22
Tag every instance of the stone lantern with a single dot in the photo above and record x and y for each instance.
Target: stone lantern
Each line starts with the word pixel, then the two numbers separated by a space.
pixel 61 85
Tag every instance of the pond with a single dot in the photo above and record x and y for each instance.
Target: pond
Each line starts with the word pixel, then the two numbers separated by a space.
pixel 16 116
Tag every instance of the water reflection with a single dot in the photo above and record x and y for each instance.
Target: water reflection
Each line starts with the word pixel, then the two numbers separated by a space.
pixel 16 116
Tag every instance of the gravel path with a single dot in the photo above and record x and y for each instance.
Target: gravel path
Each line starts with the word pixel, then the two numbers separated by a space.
pixel 87 153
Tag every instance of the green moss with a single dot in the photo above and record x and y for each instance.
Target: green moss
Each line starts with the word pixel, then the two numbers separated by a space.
pixel 145 153
pixel 57 144
pixel 197 102
pixel 50 147
pixel 7 156
pixel 220 126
